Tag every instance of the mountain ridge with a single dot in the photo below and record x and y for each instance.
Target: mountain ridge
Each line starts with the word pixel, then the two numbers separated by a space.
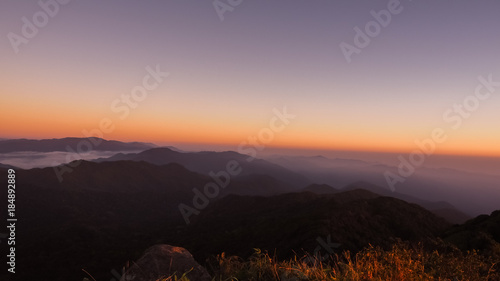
pixel 207 161
pixel 70 144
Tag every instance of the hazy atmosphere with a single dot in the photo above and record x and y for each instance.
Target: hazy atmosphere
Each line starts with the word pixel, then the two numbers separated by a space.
pixel 250 140
pixel 225 77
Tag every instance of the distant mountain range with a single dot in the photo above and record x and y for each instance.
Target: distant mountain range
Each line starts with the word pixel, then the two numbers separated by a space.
pixel 6 166
pixel 174 179
pixel 108 210
pixel 102 206
pixel 207 161
pixel 320 189
pixel 70 145
pixel 204 162
pixel 139 176
pixel 282 174
pixel 472 193
pixel 441 209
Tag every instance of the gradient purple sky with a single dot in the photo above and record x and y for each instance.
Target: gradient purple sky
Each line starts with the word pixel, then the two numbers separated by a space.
pixel 226 77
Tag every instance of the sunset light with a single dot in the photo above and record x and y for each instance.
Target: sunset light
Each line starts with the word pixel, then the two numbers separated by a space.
pixel 250 140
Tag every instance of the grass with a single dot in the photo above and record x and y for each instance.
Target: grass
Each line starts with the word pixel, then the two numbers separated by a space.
pixel 402 262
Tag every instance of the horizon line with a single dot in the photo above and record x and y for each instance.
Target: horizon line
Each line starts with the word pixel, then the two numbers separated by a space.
pixel 280 147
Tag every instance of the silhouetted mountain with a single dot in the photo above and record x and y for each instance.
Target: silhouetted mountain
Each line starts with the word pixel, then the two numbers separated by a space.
pixel 118 176
pixel 5 166
pixel 173 148
pixel 451 214
pixel 473 193
pixel 295 221
pixel 89 222
pixel 314 162
pixel 103 214
pixel 262 185
pixel 441 208
pixel 480 233
pixel 74 144
pixel 205 162
pixel 139 176
pixel 320 189
pixel 369 186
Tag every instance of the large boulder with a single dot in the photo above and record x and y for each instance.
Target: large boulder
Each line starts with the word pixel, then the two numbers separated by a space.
pixel 162 261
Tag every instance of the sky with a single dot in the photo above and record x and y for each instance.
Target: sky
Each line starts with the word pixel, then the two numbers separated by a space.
pixel 67 66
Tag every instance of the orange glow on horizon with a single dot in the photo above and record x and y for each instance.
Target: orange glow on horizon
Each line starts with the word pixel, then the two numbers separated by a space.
pixel 55 122
pixel 202 140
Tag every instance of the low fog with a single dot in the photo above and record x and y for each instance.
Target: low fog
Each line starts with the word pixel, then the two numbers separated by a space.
pixel 470 191
pixel 29 159
pixel 470 184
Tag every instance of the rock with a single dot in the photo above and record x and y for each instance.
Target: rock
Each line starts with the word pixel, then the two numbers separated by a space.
pixel 162 261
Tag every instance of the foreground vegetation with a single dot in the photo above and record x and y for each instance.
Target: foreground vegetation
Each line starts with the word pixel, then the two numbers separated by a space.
pixel 402 262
